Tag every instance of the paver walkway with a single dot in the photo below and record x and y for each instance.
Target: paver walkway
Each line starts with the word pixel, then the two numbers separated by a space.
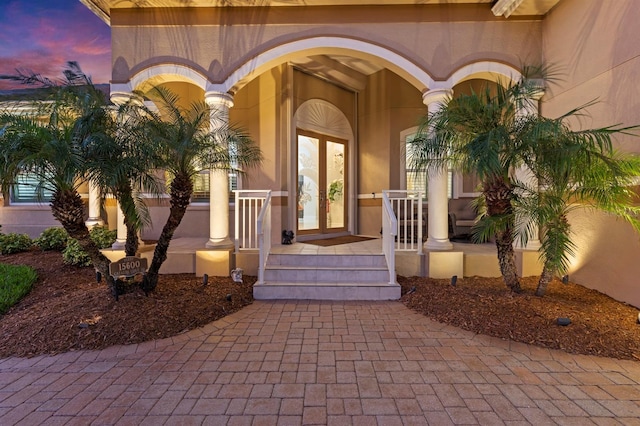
pixel 338 363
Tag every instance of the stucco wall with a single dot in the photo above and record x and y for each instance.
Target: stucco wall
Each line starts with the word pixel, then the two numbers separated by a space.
pixel 217 41
pixel 594 46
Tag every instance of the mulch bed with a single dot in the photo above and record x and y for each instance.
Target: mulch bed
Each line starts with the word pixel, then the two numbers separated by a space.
pixel 68 310
pixel 599 325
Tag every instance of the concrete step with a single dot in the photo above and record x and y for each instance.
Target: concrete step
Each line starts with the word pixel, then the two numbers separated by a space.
pixel 325 274
pixel 326 291
pixel 326 277
pixel 327 260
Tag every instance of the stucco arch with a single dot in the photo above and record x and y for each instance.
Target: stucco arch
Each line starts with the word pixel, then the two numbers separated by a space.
pixel 267 59
pixel 486 70
pixel 416 76
pixel 162 73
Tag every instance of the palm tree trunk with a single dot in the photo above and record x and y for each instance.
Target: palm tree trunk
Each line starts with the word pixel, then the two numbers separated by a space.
pixel 127 204
pixel 180 197
pixel 131 245
pixel 545 279
pixel 507 261
pixel 498 194
pixel 68 209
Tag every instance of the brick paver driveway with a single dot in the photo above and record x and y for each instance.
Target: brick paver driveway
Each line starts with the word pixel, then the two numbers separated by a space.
pixel 321 363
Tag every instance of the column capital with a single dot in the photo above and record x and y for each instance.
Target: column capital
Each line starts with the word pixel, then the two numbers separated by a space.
pixel 436 96
pixel 121 98
pixel 219 99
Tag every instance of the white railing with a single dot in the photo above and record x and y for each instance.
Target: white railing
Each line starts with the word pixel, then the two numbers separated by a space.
pixel 389 233
pixel 248 206
pixel 410 221
pixel 253 225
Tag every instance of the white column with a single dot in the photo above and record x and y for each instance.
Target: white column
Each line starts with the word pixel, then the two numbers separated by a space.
pixel 219 179
pixel 120 98
pixel 525 175
pixel 94 207
pixel 121 236
pixel 438 199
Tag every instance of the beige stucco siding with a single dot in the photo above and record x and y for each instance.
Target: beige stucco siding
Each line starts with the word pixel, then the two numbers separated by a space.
pixel 221 43
pixel 594 45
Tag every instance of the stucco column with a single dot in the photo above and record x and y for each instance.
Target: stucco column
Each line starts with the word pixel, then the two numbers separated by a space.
pixel 94 207
pixel 525 175
pixel 438 199
pixel 121 235
pixel 121 98
pixel 219 179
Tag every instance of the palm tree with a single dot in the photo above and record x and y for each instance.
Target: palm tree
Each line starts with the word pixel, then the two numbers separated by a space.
pixel 45 143
pixel 186 144
pixel 479 133
pixel 575 170
pixel 122 163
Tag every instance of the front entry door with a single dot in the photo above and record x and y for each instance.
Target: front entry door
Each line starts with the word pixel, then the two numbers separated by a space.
pixel 322 185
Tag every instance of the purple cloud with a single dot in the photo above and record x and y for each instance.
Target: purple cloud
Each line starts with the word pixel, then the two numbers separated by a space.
pixel 42 36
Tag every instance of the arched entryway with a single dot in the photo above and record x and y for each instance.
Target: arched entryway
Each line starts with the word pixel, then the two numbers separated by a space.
pixel 322 175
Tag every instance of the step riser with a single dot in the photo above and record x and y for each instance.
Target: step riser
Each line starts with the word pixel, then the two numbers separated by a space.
pixel 325 276
pixel 326 292
pixel 333 261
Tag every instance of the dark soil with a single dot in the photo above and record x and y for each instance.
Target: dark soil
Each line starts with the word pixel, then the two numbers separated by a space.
pixel 68 310
pixel 599 325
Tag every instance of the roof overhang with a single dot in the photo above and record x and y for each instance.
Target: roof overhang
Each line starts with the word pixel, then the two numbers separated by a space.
pixel 506 8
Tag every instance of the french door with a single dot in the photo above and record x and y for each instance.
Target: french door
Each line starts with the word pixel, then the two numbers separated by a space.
pixel 321 183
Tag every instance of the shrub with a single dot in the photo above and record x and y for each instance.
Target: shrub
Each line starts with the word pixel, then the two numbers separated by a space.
pixel 74 255
pixel 103 237
pixel 52 239
pixel 14 243
pixel 16 283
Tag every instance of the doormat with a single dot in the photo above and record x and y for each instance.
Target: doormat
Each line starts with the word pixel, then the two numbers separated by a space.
pixel 347 239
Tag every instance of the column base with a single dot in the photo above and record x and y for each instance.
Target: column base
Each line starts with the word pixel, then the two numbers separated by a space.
pixel 437 244
pixel 221 243
pixel 119 244
pixel 217 262
pixel 444 264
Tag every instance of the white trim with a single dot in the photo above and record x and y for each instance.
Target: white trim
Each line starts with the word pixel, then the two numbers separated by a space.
pixel 163 70
pixel 505 7
pixel 489 70
pixel 458 186
pixel 403 157
pixel 315 45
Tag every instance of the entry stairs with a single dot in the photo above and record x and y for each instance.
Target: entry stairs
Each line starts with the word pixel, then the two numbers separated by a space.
pixel 326 276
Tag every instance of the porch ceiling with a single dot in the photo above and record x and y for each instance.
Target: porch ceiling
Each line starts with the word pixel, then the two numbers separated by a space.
pixel 506 8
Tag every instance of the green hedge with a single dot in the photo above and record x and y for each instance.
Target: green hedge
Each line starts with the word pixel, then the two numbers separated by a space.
pixel 14 243
pixel 15 283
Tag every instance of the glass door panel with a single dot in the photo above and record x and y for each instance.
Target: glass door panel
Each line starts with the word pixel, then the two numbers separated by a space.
pixel 321 185
pixel 335 185
pixel 308 183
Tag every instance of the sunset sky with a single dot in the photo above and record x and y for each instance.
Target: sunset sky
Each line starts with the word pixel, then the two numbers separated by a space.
pixel 42 35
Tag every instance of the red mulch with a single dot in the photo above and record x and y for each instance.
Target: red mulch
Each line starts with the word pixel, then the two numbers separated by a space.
pixel 68 310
